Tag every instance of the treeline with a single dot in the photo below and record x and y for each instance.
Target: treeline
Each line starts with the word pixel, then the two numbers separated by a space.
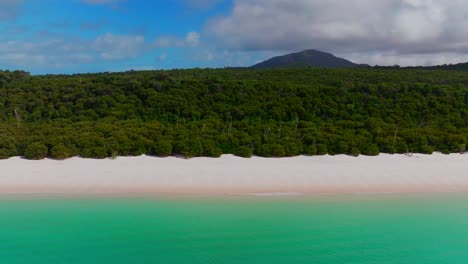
pixel 207 112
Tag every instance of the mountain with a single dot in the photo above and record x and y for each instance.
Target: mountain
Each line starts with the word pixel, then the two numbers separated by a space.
pixel 307 58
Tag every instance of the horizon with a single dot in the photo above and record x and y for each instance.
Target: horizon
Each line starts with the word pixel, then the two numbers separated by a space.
pixel 92 36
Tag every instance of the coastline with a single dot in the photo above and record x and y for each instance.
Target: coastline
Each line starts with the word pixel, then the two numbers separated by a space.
pixel 229 175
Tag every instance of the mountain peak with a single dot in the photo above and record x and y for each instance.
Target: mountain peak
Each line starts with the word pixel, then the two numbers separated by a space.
pixel 307 58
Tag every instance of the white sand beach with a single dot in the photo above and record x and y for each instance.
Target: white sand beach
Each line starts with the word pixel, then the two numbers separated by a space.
pixel 231 175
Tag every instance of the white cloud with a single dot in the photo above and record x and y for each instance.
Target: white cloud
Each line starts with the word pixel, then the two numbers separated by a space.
pixel 112 46
pixel 192 39
pixel 393 58
pixel 55 51
pixel 61 51
pixel 168 42
pixel 395 29
pixel 163 56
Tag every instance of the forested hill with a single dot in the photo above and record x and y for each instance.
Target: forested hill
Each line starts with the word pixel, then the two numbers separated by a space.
pixel 203 112
pixel 307 58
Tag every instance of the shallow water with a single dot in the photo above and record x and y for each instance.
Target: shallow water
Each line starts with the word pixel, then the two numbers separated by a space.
pixel 345 229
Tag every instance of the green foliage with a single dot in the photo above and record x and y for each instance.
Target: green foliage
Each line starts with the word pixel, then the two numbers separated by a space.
pixel 7 148
pixel 211 150
pixel 190 148
pixel 355 152
pixel 311 150
pixel 461 148
pixel 370 150
pixel 60 152
pixel 265 151
pixel 208 112
pixel 277 150
pixel 5 154
pixel 162 149
pixel 244 151
pixel 36 151
pixel 96 152
pixel 322 149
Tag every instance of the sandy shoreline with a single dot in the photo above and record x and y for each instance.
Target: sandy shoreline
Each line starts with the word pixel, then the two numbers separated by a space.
pixel 231 175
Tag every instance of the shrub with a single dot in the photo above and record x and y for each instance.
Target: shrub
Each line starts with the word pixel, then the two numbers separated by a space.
pixel 370 150
pixel 94 153
pixel 322 149
pixel 426 149
pixel 59 152
pixel 342 147
pixel 355 152
pixel 460 148
pixel 36 151
pixel 264 150
pixel 190 148
pixel 277 150
pixel 244 152
pixel 162 149
pixel 7 149
pixel 311 150
pixel 211 150
pixel 5 153
pixel 292 149
pixel 99 153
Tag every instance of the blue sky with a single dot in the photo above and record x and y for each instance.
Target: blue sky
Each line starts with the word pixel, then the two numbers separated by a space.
pixel 70 36
pixel 75 36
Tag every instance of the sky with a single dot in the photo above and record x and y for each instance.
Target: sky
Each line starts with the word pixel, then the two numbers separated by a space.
pixel 77 36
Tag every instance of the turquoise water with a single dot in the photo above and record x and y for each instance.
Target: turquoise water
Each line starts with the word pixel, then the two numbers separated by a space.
pixel 416 229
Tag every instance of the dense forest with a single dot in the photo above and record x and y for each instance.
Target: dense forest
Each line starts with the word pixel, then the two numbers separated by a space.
pixel 210 112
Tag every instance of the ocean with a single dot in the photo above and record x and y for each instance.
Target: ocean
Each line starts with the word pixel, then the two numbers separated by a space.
pixel 303 229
